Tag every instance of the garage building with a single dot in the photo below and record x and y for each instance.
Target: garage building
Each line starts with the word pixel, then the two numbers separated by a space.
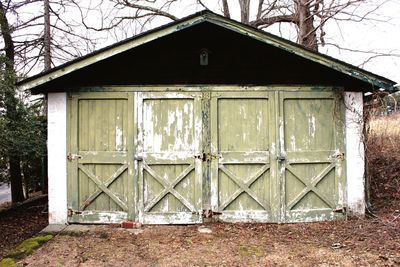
pixel 205 119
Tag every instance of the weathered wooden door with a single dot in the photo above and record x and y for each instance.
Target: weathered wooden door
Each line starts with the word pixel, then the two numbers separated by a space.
pixel 100 171
pixel 159 157
pixel 169 148
pixel 311 155
pixel 243 184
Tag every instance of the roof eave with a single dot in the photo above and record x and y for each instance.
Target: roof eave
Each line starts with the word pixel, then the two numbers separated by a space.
pixel 375 80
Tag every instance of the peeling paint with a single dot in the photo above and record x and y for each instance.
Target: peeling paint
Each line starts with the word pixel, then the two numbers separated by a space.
pixel 170 133
pixel 293 142
pixel 311 126
pixel 99 217
pixel 119 141
pixel 158 129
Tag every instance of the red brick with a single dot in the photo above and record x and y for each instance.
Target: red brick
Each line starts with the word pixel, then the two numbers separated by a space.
pixel 128 224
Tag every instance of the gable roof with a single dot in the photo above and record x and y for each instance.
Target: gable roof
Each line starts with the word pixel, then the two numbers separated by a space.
pixel 206 16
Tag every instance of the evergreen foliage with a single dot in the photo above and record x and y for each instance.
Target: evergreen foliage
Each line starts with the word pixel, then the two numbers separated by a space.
pixel 22 131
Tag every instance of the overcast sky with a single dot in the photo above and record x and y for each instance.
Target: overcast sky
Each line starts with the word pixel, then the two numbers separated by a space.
pixel 381 37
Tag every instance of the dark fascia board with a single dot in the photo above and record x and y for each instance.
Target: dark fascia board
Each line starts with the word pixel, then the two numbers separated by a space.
pixel 208 16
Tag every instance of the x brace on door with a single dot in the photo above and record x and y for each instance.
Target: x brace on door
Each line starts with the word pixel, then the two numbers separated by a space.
pixel 169 188
pixel 311 186
pixel 103 187
pixel 244 187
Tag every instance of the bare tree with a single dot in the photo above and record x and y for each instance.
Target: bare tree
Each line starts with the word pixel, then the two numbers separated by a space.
pixel 47 35
pixel 35 34
pixel 44 33
pixel 308 17
pixel 9 101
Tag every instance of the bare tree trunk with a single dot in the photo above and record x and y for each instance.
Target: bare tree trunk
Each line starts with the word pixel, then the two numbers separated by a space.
pixel 47 66
pixel 7 38
pixel 47 36
pixel 307 34
pixel 225 7
pixel 244 11
pixel 17 194
pixel 259 9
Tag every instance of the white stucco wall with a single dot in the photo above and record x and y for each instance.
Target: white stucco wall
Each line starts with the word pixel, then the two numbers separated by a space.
pixel 355 153
pixel 57 157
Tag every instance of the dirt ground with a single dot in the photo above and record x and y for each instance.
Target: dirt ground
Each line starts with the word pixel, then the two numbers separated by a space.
pixel 20 223
pixel 356 242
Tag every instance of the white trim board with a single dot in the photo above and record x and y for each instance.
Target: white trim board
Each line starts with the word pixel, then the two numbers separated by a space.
pixel 57 157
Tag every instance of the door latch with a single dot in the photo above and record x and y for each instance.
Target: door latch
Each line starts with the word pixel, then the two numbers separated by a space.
pixel 281 158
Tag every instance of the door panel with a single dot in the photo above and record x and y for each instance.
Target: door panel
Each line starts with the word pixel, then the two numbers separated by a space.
pixel 311 131
pixel 98 184
pixel 242 187
pixel 169 145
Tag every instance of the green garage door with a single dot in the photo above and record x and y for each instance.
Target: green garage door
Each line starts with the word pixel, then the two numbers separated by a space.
pixel 100 184
pixel 243 187
pixel 263 156
pixel 311 156
pixel 169 147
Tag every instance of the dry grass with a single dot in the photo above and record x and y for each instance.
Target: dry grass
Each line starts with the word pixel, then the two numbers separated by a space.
pixel 383 155
pixel 386 126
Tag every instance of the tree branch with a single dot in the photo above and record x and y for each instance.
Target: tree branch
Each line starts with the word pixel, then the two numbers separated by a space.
pixel 268 21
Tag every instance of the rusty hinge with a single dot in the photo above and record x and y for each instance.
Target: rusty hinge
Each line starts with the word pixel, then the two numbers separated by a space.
pixel 207 157
pixel 208 213
pixel 73 212
pixel 72 157
pixel 338 155
pixel 340 210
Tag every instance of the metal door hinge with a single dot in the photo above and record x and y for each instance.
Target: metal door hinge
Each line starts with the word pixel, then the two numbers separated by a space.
pixel 338 155
pixel 207 157
pixel 208 213
pixel 340 210
pixel 73 212
pixel 72 157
